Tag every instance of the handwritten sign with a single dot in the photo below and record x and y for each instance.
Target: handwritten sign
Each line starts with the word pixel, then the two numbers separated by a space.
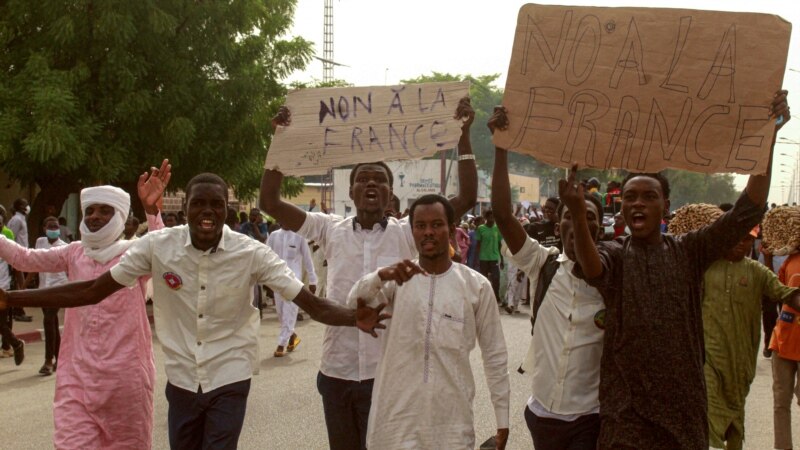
pixel 644 89
pixel 332 127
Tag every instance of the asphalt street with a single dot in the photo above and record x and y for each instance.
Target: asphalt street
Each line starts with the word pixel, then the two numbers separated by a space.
pixel 284 408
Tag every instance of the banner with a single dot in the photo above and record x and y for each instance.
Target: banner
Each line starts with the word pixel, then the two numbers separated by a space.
pixel 333 127
pixel 644 89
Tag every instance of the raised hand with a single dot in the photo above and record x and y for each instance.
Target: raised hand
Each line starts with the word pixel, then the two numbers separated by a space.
pixel 571 192
pixel 780 108
pixel 464 111
pixel 283 118
pixel 151 187
pixel 498 120
pixel 400 272
pixel 369 319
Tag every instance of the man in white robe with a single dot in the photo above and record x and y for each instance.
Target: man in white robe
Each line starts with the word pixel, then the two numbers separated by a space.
pixel 423 392
pixel 293 249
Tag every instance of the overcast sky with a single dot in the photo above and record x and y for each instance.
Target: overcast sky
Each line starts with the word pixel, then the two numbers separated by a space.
pixel 385 41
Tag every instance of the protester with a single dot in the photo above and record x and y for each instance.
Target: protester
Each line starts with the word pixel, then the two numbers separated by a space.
pixel 203 315
pixel 255 226
pixel 170 220
pixel 353 247
pixel 131 227
pixel 106 372
pixel 732 291
pixel 52 334
pixel 462 239
pixel 543 232
pixel 565 349
pixel 785 346
pixel 12 346
pixel 423 384
pixel 488 250
pixel 66 233
pixel 292 249
pixel 648 307
pixel 18 224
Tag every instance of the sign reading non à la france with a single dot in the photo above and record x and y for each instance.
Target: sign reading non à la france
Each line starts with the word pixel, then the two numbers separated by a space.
pixel 333 127
pixel 644 89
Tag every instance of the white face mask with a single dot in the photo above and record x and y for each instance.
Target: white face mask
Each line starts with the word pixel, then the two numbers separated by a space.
pixel 28 209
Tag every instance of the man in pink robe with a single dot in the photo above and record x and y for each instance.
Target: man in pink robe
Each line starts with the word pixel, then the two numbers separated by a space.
pixel 105 371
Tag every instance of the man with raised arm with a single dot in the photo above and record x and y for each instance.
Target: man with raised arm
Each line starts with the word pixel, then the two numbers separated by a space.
pixel 106 373
pixel 203 275
pixel 652 388
pixel 354 247
pixel 424 388
pixel 567 342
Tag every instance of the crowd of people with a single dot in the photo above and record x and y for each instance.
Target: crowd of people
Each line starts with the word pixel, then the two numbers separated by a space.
pixel 623 353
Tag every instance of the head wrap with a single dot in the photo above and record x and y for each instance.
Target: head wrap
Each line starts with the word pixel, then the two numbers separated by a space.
pixel 104 245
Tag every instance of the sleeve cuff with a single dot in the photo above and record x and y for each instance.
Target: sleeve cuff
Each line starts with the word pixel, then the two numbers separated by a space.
pixel 290 292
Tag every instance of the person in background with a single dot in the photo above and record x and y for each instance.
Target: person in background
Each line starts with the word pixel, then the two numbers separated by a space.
pixel 232 219
pixel 131 227
pixel 170 220
pixel 620 229
pixel 544 231
pixel 19 225
pixel 11 346
pixel 255 226
pixel 52 334
pixel 462 239
pixel 488 250
pixel 472 257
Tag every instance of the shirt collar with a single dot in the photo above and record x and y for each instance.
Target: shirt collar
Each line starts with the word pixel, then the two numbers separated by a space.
pixel 220 245
pixel 383 222
pixel 562 257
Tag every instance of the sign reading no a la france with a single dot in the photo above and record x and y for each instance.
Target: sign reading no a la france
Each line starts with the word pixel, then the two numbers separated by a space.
pixel 644 89
pixel 332 127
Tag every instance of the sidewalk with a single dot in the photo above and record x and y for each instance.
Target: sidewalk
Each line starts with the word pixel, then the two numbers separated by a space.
pixel 33 332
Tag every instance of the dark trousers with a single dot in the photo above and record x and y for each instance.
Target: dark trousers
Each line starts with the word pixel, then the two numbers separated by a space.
pixel 9 340
pixel 491 270
pixel 769 317
pixel 206 420
pixel 346 404
pixel 52 336
pixel 554 434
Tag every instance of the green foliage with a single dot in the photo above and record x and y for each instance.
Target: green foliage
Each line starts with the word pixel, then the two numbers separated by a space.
pixel 98 91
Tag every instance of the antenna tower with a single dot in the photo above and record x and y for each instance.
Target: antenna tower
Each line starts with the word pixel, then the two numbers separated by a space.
pixel 327 46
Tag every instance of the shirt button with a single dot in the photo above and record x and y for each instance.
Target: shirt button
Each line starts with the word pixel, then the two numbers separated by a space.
pixel 200 316
pixel 202 288
pixel 199 343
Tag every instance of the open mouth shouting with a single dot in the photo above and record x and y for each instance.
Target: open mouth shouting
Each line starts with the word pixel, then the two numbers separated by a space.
pixel 371 196
pixel 207 224
pixel 638 220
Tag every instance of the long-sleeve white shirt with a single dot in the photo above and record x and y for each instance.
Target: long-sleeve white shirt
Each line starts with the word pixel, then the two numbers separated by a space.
pixel 567 342
pixel 423 391
pixel 293 249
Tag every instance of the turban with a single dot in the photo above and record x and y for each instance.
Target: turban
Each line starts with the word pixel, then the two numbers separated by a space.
pixel 102 245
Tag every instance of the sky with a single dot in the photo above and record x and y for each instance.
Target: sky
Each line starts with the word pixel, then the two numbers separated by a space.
pixel 382 42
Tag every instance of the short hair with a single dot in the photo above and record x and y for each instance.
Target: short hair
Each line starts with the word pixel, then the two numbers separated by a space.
pixel 48 219
pixel 134 220
pixel 589 197
pixel 725 207
pixel 377 163
pixel 18 204
pixel 431 199
pixel 206 177
pixel 662 180
pixel 255 211
pixel 554 200
pixel 62 220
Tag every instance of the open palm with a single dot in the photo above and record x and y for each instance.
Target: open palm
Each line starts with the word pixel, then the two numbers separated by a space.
pixel 151 186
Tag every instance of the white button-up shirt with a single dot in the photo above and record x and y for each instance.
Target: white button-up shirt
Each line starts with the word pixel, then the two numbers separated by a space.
pixel 567 343
pixel 423 392
pixel 293 249
pixel 50 279
pixel 353 252
pixel 19 225
pixel 203 301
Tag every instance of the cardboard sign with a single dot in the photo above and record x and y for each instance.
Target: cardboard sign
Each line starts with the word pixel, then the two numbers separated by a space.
pixel 333 127
pixel 644 89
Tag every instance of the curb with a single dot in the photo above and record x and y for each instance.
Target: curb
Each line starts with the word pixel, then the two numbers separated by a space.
pixel 38 335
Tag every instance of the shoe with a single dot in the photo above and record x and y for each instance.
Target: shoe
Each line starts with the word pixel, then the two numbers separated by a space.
pixel 294 341
pixel 6 353
pixel 47 369
pixel 23 318
pixel 509 309
pixel 19 353
pixel 300 317
pixel 279 352
pixel 767 353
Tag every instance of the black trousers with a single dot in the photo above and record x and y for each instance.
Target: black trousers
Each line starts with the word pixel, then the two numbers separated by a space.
pixel 346 404
pixel 52 336
pixel 770 310
pixel 206 420
pixel 554 434
pixel 9 340
pixel 491 270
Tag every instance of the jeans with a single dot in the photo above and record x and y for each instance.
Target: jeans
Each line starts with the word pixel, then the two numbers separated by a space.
pixel 52 336
pixel 206 420
pixel 554 434
pixel 491 270
pixel 346 404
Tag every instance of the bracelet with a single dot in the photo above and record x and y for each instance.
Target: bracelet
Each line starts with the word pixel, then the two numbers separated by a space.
pixel 466 157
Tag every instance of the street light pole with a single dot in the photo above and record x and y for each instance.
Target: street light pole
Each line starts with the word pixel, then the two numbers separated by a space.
pixel 794 187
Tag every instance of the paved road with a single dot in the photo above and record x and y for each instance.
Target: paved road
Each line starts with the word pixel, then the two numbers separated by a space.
pixel 284 408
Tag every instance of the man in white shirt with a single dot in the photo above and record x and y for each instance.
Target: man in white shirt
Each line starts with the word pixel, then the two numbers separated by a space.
pixel 424 389
pixel 203 277
pixel 19 225
pixel 52 335
pixel 293 249
pixel 567 343
pixel 354 247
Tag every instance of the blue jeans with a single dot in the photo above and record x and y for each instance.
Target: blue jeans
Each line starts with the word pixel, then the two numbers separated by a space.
pixel 206 420
pixel 554 434
pixel 346 404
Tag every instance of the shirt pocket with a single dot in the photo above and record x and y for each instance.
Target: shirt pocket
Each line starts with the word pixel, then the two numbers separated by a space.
pixel 450 331
pixel 229 302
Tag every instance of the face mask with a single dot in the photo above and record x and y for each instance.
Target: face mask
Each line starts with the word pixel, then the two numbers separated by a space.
pixel 53 234
pixel 28 209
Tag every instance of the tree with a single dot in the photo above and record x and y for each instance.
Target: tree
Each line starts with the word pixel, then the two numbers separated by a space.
pixel 97 91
